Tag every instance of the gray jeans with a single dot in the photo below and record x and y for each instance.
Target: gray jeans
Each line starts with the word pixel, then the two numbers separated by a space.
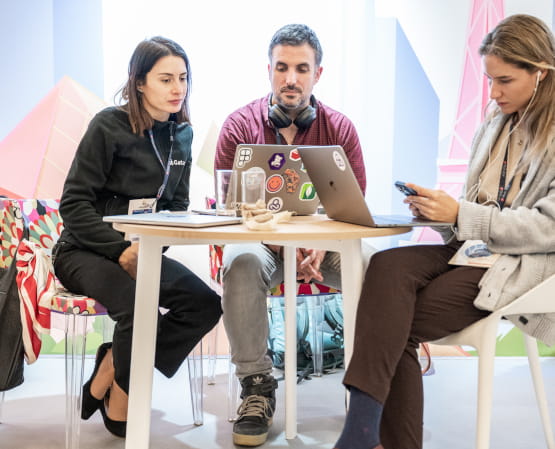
pixel 249 271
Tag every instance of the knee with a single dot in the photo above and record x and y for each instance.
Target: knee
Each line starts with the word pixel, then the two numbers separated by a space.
pixel 212 306
pixel 208 304
pixel 387 261
pixel 242 268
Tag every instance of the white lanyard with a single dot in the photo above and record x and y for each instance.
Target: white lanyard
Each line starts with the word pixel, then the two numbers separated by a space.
pixel 158 155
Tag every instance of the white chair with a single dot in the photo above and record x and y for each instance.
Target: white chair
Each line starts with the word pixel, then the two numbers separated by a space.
pixel 482 336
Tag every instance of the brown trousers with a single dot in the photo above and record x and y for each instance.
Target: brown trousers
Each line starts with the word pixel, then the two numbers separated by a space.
pixel 410 295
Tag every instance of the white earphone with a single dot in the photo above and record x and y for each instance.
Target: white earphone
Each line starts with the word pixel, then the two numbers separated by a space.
pixel 538 80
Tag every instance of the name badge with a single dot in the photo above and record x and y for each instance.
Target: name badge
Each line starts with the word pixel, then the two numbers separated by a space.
pixel 142 206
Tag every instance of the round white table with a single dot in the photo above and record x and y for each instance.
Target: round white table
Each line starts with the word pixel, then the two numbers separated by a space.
pixel 314 231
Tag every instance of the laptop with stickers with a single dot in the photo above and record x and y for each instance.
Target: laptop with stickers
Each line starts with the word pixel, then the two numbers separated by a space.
pixel 340 192
pixel 288 186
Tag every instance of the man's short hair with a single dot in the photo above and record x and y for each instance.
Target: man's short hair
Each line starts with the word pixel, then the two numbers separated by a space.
pixel 297 34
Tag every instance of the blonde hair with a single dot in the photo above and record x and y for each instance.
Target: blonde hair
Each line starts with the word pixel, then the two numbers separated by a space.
pixel 528 43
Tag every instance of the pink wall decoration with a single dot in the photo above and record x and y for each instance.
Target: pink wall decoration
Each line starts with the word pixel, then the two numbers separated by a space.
pixel 473 98
pixel 35 157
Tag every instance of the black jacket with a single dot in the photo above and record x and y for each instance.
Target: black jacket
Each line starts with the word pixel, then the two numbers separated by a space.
pixel 113 165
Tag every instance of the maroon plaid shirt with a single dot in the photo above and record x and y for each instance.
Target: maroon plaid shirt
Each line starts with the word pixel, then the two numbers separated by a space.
pixel 250 124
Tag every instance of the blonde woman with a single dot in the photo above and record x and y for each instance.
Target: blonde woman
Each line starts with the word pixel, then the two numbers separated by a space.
pixel 413 294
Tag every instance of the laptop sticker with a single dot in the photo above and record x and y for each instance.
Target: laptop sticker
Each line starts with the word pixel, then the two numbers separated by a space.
pixel 274 183
pixel 245 156
pixel 292 180
pixel 276 161
pixel 294 155
pixel 308 192
pixel 275 204
pixel 339 161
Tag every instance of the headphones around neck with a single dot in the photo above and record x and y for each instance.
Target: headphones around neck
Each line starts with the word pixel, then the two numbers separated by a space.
pixel 278 115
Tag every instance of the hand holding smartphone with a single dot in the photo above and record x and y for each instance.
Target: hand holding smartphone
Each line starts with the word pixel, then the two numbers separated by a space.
pixel 404 189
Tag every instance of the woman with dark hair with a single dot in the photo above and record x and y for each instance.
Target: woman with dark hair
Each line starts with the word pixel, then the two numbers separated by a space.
pixel 133 158
pixel 416 294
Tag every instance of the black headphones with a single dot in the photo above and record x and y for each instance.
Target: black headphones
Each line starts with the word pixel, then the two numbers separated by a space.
pixel 278 115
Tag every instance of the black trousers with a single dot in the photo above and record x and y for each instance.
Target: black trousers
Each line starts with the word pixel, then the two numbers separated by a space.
pixel 410 295
pixel 193 307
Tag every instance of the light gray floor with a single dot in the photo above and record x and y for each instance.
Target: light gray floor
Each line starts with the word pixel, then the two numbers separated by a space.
pixel 33 414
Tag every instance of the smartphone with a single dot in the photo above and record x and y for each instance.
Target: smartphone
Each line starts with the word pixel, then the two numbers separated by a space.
pixel 404 189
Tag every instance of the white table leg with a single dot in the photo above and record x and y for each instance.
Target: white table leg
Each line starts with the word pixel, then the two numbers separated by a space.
pixel 351 285
pixel 144 342
pixel 290 369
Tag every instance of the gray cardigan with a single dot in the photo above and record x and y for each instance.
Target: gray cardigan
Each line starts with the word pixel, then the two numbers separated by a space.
pixel 523 233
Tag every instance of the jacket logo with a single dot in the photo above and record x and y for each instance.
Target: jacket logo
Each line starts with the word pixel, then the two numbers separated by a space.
pixel 177 162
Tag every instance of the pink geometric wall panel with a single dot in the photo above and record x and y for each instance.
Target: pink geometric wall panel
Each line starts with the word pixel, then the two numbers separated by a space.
pixel 485 14
pixel 35 157
pixel 452 175
pixel 473 98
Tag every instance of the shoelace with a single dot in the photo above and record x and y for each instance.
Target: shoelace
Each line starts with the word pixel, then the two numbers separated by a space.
pixel 254 405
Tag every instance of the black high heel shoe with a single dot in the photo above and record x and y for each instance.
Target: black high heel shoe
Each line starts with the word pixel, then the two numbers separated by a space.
pixel 89 404
pixel 117 428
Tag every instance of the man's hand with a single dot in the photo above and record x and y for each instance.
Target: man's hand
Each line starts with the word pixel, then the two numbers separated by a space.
pixel 308 264
pixel 432 204
pixel 129 258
